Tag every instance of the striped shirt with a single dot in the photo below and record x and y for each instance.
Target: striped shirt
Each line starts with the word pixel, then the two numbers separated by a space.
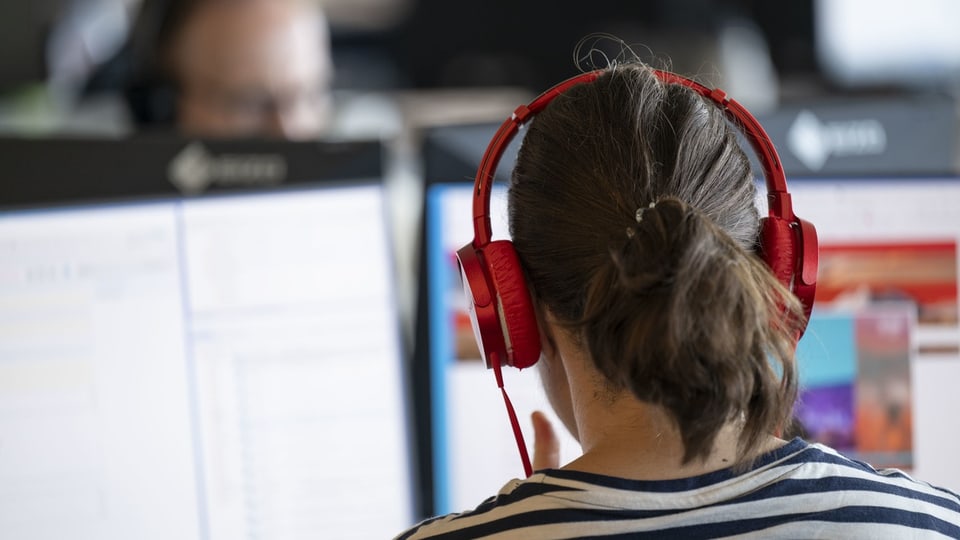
pixel 800 490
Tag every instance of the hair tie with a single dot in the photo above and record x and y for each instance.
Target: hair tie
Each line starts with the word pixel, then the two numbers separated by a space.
pixel 641 210
pixel 639 217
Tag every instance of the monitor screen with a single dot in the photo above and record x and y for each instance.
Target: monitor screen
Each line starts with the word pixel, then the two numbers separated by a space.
pixel 217 366
pixel 876 365
pixel 879 360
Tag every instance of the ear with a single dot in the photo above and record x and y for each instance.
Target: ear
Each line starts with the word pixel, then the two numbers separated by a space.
pixel 545 325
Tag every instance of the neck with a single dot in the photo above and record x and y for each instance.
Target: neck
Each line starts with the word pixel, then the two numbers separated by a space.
pixel 625 437
pixel 619 434
pixel 635 440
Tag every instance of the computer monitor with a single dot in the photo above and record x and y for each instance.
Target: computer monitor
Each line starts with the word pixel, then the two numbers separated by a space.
pixel 877 363
pixel 225 364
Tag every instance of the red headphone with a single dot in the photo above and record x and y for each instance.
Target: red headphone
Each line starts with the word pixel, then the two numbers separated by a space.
pixel 499 304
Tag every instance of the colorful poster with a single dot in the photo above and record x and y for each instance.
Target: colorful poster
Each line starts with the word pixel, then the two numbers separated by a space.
pixel 878 308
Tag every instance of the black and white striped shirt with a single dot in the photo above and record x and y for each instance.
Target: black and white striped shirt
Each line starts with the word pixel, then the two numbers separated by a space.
pixel 800 490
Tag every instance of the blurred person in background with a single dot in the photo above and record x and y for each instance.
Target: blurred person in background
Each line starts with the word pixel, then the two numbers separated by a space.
pixel 227 68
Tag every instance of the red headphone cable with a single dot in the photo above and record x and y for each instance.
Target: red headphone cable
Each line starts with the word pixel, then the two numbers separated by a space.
pixel 512 413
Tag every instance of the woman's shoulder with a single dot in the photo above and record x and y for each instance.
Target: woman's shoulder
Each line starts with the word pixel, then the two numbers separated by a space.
pixel 818 468
pixel 454 525
pixel 786 491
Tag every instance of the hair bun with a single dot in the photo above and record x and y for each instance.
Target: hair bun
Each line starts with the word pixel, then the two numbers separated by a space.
pixel 655 244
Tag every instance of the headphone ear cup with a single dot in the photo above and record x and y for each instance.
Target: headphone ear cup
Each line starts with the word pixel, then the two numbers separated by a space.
pixel 791 253
pixel 517 317
pixel 777 248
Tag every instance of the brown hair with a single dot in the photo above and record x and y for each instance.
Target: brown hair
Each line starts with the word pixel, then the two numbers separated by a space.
pixel 673 304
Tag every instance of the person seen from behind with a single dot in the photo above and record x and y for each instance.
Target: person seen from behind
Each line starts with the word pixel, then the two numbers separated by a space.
pixel 667 344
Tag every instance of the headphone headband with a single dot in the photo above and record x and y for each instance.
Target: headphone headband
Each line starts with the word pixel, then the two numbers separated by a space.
pixel 778 199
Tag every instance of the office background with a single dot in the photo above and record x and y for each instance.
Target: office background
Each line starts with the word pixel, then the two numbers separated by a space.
pixel 846 88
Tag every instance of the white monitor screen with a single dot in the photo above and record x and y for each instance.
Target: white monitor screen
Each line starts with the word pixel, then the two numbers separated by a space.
pixel 882 42
pixel 214 368
pixel 878 364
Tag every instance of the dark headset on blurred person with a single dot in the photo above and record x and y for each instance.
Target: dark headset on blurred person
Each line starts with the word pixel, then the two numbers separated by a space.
pixel 226 68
